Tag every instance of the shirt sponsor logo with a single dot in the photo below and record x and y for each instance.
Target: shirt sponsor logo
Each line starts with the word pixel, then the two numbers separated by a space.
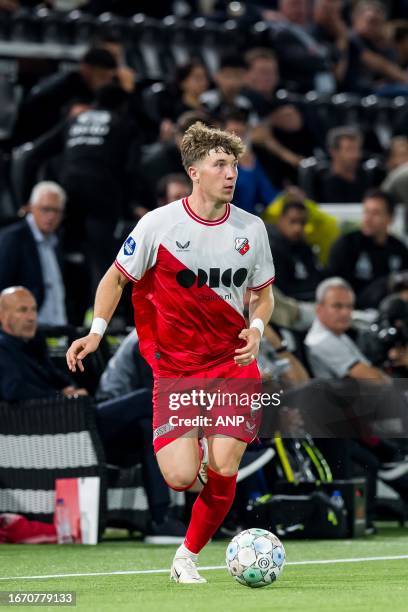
pixel 129 246
pixel 214 277
pixel 242 245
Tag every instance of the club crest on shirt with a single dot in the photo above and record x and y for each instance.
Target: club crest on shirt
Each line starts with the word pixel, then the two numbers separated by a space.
pixel 129 246
pixel 242 245
pixel 182 247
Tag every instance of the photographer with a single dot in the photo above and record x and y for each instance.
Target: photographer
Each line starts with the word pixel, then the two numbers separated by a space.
pixel 386 341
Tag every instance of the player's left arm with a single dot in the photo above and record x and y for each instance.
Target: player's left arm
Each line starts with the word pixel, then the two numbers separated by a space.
pixel 261 305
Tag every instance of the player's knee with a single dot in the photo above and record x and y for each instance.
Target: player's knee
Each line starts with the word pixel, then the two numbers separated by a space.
pixel 179 480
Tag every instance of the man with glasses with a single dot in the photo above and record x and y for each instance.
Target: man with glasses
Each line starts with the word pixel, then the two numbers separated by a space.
pixel 29 254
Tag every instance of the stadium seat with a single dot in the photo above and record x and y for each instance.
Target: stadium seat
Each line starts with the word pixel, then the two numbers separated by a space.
pixel 309 171
pixel 148 53
pixel 8 208
pixel 209 41
pixel 4 25
pixel 24 27
pixel 18 161
pixel 50 27
pixel 179 39
pixel 109 24
pixel 10 95
pixel 80 27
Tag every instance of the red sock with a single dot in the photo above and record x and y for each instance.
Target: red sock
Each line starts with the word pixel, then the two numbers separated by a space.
pixel 209 509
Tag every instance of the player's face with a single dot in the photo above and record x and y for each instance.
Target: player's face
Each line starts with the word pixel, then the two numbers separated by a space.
pixel 48 212
pixel 336 309
pixel 19 316
pixel 216 175
pixel 375 219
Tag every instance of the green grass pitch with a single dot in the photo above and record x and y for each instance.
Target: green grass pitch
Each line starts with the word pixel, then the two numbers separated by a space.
pixel 369 585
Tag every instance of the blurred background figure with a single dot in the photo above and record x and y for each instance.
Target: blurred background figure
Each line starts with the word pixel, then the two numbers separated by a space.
pixel 30 254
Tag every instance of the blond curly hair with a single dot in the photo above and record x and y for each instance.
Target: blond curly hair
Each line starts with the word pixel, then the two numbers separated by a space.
pixel 199 140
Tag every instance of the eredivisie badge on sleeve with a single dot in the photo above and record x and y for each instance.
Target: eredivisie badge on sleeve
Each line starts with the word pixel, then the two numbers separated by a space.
pixel 242 245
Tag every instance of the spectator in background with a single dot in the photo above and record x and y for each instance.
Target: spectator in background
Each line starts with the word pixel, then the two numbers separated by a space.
pixel 173 187
pixel 26 372
pixel 163 158
pixel 30 255
pixel 373 63
pixel 253 189
pixel 229 81
pixel 396 181
pixel 43 107
pixel 261 79
pixel 294 11
pixel 332 354
pixel 303 61
pixel 297 272
pixel 126 77
pixel 283 140
pixel 330 30
pixel 365 258
pixel 190 83
pixel 345 181
pixel 100 153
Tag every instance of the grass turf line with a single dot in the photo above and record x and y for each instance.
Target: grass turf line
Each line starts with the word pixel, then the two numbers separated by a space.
pixel 363 586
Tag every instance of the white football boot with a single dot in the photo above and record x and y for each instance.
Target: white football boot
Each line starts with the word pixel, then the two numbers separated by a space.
pixel 184 571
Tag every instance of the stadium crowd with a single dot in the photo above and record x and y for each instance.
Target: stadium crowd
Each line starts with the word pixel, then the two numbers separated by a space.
pixel 318 92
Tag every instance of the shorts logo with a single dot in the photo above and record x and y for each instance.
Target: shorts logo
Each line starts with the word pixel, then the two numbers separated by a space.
pixel 129 246
pixel 162 430
pixel 242 245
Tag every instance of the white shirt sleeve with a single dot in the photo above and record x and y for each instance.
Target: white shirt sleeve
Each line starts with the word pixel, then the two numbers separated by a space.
pixel 335 354
pixel 139 251
pixel 263 271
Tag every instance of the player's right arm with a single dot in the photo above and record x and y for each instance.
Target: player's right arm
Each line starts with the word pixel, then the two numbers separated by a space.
pixel 107 298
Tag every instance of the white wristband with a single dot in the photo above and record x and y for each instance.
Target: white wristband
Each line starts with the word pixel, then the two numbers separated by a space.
pixel 258 324
pixel 99 326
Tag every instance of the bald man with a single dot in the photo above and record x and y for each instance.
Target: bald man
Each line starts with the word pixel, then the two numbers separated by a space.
pixel 26 372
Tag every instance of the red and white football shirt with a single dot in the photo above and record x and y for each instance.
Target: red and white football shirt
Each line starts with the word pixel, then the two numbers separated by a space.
pixel 190 276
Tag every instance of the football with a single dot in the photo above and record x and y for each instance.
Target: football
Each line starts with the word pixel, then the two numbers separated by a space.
pixel 255 558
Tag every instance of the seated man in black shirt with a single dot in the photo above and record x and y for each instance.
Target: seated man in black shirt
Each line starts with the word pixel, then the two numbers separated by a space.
pixel 366 257
pixel 124 424
pixel 345 181
pixel 297 272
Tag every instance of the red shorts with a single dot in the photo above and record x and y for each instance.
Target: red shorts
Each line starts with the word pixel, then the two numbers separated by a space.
pixel 216 401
